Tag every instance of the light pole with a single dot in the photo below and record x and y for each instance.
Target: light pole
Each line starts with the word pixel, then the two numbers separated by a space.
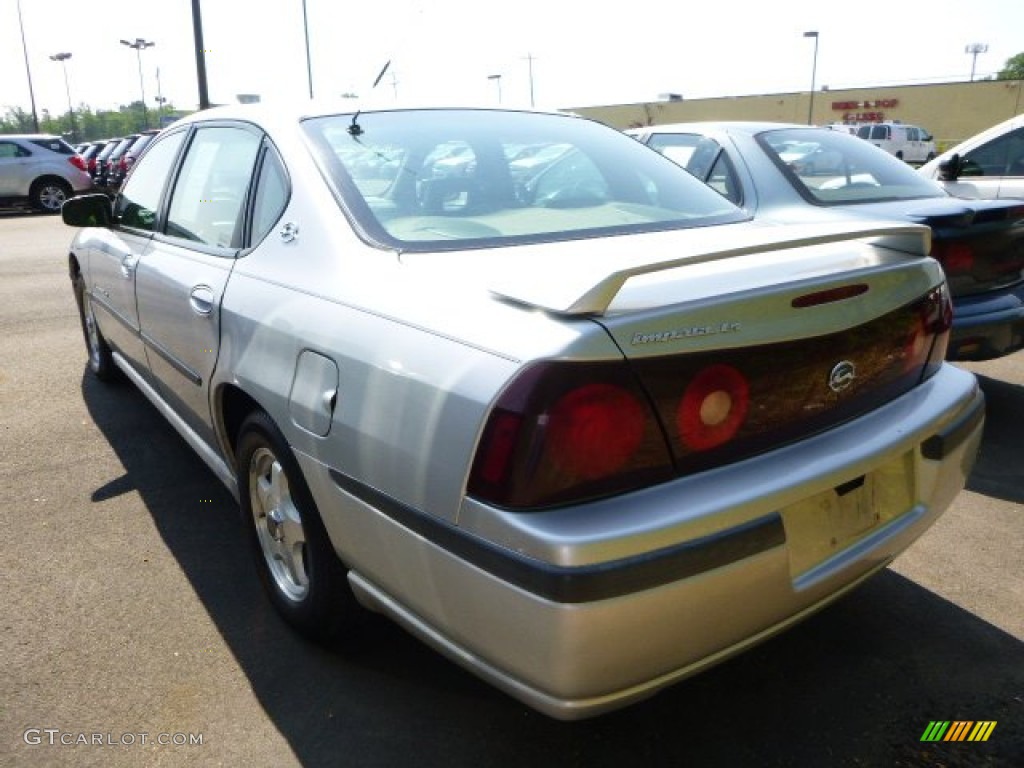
pixel 197 33
pixel 497 80
pixel 814 76
pixel 974 49
pixel 309 61
pixel 63 58
pixel 140 45
pixel 28 72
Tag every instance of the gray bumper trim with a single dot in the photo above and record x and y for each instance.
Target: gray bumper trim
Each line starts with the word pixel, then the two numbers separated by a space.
pixel 580 584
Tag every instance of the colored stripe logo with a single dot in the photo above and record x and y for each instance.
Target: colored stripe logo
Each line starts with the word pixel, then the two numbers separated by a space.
pixel 958 730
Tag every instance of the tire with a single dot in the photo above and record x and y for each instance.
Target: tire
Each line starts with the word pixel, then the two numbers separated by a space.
pixel 303 577
pixel 48 195
pixel 101 362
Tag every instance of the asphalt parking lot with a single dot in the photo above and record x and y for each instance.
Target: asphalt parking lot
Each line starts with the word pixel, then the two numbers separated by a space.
pixel 134 631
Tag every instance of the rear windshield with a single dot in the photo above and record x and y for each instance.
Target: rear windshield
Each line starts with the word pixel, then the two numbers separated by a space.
pixel 450 179
pixel 832 168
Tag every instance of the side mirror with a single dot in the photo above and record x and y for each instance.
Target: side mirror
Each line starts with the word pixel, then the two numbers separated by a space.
pixel 88 211
pixel 951 169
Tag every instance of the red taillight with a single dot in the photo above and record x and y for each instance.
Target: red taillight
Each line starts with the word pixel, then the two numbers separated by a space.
pixel 78 162
pixel 713 407
pixel 500 440
pixel 956 258
pixel 937 314
pixel 928 340
pixel 594 430
pixel 565 432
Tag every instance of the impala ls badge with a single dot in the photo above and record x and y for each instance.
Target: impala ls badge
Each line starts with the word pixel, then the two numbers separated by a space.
pixel 842 376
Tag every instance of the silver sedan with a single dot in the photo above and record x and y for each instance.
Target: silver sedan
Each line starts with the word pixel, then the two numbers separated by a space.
pixel 791 173
pixel 580 425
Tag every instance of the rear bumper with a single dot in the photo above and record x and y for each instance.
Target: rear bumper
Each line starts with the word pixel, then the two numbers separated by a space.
pixel 987 326
pixel 577 612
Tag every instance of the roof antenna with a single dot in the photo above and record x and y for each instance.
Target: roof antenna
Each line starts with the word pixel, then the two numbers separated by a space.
pixel 355 129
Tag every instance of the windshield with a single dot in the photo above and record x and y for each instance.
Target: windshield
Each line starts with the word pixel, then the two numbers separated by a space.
pixel 446 179
pixel 830 168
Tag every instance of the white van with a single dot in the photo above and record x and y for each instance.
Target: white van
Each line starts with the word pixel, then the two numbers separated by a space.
pixel 909 143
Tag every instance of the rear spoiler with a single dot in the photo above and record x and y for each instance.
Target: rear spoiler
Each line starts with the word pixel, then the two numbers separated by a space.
pixel 587 283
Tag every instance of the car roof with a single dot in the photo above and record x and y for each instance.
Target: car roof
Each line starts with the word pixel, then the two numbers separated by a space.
pixel 31 136
pixel 278 112
pixel 749 127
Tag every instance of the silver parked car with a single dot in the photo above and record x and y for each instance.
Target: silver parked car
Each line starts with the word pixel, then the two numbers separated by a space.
pixel 989 165
pixel 586 430
pixel 40 170
pixel 793 173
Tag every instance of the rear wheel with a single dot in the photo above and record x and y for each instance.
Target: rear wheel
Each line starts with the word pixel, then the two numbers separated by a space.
pixel 48 195
pixel 101 361
pixel 304 579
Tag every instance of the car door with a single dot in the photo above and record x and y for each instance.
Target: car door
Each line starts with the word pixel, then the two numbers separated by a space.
pixel 181 280
pixel 914 152
pixel 115 253
pixel 14 163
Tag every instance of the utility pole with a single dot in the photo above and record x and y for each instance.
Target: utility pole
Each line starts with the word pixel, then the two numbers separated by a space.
pixel 529 64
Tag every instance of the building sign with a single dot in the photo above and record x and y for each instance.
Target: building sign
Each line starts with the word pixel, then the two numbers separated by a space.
pixel 869 111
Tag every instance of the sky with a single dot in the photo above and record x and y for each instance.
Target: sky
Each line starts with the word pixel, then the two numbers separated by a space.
pixel 581 54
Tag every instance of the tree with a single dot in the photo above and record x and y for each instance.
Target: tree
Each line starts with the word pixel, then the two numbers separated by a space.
pixel 1014 69
pixel 16 120
pixel 89 125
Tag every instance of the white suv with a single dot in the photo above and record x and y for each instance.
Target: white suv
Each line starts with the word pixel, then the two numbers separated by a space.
pixel 909 143
pixel 41 170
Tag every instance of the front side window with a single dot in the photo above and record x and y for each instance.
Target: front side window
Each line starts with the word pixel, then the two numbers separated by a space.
pixel 136 207
pixel 1003 156
pixel 830 168
pixel 448 179
pixel 209 195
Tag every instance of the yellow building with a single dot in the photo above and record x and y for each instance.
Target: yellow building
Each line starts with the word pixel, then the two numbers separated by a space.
pixel 952 112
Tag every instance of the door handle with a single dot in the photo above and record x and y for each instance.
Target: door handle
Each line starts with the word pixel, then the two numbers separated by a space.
pixel 201 300
pixel 128 265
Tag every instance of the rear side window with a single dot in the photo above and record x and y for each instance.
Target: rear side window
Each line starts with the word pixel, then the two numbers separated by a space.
pixel 704 158
pixel 55 145
pixel 137 205
pixel 271 195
